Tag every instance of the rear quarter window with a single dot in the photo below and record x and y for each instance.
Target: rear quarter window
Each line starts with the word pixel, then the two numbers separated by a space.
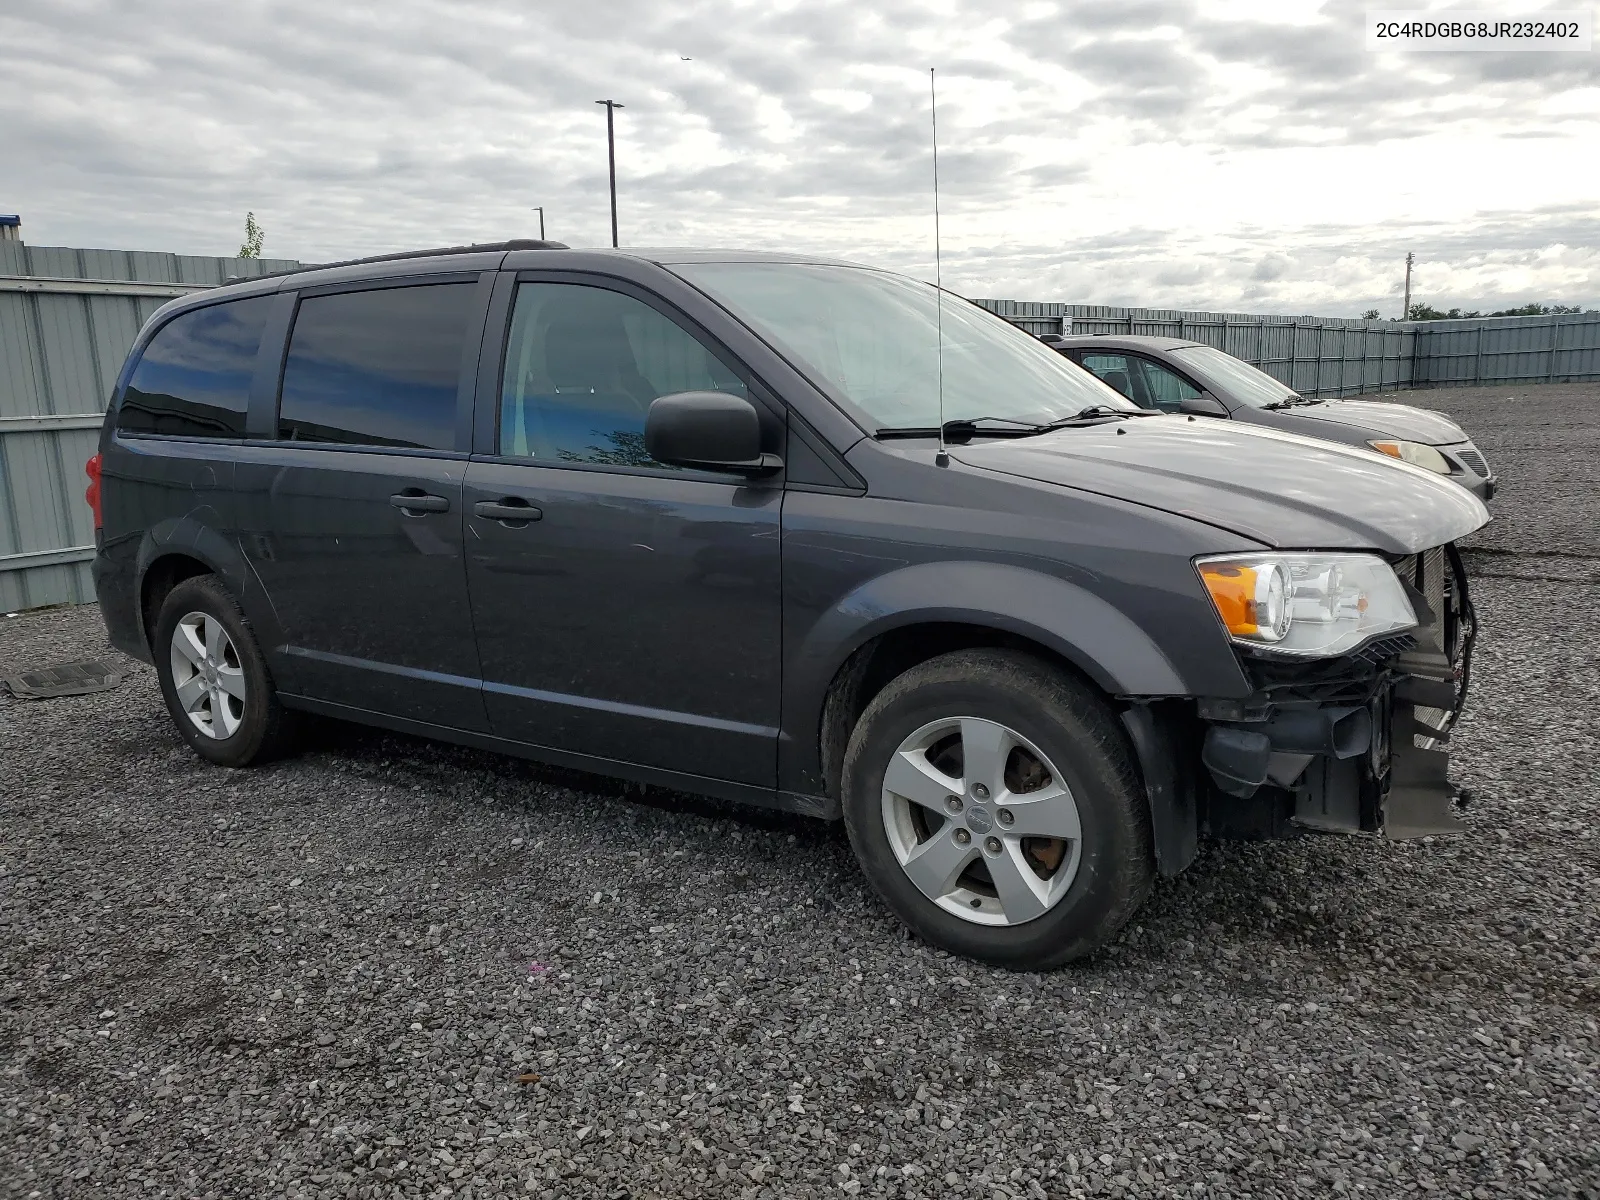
pixel 193 377
pixel 378 367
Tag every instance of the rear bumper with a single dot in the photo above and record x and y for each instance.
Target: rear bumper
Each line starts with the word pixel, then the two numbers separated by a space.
pixel 115 572
pixel 1360 745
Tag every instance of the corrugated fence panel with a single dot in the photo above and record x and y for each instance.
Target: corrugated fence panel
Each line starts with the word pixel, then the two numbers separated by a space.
pixel 71 366
pixel 113 324
pixel 1559 348
pixel 20 381
pixel 54 262
pixel 1579 357
pixel 143 266
pixel 60 352
pixel 34 467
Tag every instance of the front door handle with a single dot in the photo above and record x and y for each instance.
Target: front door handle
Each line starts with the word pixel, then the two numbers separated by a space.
pixel 414 502
pixel 513 511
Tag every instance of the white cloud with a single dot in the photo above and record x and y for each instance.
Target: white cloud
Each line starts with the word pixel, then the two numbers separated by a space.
pixel 1236 156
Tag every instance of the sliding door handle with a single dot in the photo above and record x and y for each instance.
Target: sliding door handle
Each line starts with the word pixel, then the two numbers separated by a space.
pixel 414 502
pixel 511 509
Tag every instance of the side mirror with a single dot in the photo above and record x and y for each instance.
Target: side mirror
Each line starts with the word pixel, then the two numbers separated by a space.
pixel 713 431
pixel 1203 405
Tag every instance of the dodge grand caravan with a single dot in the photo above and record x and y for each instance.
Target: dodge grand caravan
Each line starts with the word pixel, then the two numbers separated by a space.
pixel 753 526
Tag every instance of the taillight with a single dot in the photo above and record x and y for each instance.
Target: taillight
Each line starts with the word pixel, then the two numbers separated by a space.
pixel 92 492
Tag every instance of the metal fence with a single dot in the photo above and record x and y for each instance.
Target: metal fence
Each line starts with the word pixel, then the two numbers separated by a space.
pixel 1317 356
pixel 67 318
pixel 1550 349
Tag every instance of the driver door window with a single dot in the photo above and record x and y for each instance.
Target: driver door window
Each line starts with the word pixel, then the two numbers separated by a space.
pixel 1166 389
pixel 582 367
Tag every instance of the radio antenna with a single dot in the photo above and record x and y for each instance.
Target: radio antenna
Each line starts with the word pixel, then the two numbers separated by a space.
pixel 943 457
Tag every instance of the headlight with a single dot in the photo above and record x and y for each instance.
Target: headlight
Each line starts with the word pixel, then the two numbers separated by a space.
pixel 1311 605
pixel 1415 453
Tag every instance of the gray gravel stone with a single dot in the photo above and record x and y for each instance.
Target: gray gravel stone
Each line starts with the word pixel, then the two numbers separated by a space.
pixel 324 978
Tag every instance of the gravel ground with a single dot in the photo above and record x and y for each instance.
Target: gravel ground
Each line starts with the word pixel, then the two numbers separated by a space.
pixel 324 977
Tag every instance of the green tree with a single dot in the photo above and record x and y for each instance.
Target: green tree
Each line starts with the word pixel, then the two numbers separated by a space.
pixel 1537 310
pixel 1422 311
pixel 1370 315
pixel 1426 312
pixel 254 236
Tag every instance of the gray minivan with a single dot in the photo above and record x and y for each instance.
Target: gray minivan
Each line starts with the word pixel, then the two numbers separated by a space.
pixel 789 531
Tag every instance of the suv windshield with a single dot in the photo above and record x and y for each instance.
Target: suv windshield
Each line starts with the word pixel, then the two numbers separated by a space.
pixel 872 338
pixel 1237 378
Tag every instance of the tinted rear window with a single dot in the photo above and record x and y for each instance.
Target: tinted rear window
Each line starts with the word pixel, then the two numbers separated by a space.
pixel 193 379
pixel 376 368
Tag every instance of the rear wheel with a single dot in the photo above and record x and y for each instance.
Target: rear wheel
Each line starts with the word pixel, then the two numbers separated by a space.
pixel 993 802
pixel 214 677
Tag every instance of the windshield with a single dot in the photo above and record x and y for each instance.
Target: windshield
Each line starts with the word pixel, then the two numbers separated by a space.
pixel 872 338
pixel 1235 377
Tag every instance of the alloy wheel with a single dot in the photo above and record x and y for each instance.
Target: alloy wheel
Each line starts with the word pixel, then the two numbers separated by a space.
pixel 981 821
pixel 207 675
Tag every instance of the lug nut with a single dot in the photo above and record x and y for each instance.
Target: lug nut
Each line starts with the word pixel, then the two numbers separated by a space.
pixel 963 837
pixel 1007 817
pixel 992 845
pixel 980 791
pixel 953 803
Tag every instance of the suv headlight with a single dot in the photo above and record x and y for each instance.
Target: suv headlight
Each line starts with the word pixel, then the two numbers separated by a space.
pixel 1311 605
pixel 1415 453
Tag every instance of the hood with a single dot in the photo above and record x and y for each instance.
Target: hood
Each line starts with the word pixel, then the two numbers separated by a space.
pixel 1395 420
pixel 1280 489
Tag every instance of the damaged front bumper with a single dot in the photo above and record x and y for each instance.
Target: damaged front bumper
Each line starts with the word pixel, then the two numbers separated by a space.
pixel 1357 744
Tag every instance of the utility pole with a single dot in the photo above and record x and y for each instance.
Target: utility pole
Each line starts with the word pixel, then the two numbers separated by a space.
pixel 611 161
pixel 540 211
pixel 1405 313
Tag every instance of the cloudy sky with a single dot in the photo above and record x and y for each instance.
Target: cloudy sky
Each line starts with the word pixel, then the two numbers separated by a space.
pixel 1246 155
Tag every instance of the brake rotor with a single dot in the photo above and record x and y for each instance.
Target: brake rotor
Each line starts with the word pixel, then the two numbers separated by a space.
pixel 1024 774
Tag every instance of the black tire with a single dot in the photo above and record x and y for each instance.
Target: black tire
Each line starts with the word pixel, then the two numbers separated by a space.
pixel 266 728
pixel 1078 731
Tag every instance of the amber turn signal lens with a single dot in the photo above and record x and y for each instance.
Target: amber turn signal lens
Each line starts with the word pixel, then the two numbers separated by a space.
pixel 1233 591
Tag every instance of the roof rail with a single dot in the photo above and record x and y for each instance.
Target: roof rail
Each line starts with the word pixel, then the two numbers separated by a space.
pixel 478 248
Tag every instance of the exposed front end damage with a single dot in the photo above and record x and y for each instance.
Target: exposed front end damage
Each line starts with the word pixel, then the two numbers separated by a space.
pixel 1354 744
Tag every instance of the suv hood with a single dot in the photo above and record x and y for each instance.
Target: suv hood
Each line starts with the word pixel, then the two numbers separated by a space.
pixel 1280 489
pixel 1395 420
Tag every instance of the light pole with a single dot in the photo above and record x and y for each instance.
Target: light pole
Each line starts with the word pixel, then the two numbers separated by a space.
pixel 1405 315
pixel 540 211
pixel 611 161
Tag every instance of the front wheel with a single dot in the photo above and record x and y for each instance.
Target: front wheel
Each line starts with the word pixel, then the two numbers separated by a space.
pixel 993 802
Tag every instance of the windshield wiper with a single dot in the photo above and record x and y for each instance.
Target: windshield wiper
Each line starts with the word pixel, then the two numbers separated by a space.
pixel 964 430
pixel 1096 412
pixel 1293 400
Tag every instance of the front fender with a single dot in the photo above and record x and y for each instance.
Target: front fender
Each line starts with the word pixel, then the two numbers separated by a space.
pixel 1091 634
pixel 1100 640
